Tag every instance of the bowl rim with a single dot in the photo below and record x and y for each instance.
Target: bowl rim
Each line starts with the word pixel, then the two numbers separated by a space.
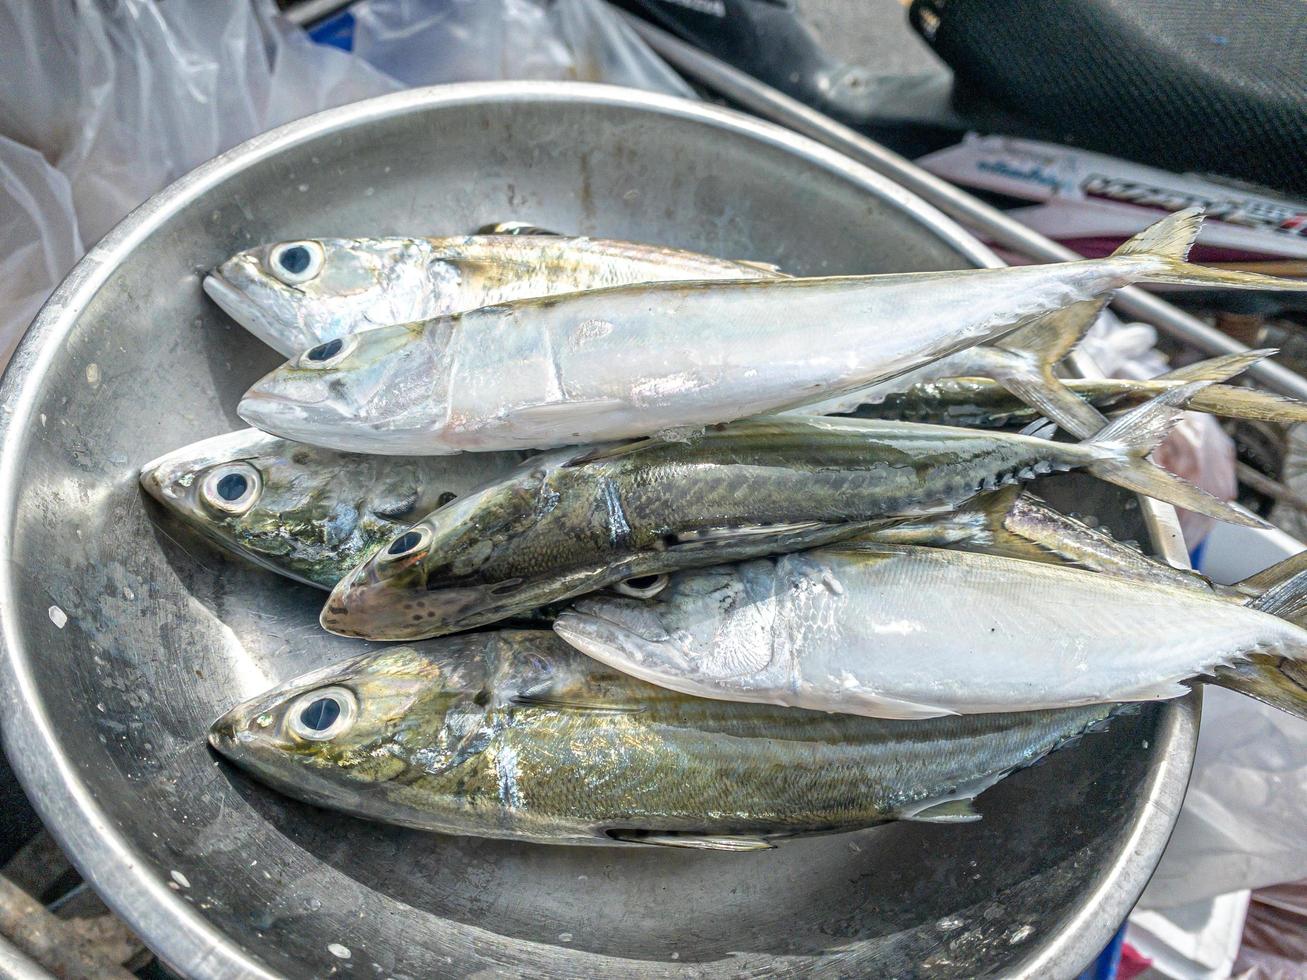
pixel 172 928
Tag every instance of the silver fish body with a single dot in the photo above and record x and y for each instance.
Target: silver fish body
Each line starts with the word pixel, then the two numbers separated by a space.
pixel 906 632
pixel 299 294
pixel 511 734
pixel 307 513
pixel 634 360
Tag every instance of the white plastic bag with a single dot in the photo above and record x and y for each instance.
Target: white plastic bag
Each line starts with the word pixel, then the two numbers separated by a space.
pixel 481 40
pixel 106 103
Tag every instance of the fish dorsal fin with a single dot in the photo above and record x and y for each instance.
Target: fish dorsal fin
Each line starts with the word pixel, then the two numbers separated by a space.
pixel 705 842
pixel 950 811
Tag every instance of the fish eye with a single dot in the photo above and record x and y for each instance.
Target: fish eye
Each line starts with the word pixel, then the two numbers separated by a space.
pixel 642 586
pixel 232 488
pixel 295 262
pixel 408 543
pixel 328 354
pixel 323 714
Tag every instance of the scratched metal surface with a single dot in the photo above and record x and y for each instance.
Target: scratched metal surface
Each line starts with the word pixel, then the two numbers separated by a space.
pixel 124 636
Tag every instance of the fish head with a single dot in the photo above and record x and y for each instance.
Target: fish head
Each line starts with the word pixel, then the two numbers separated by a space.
pixel 295 295
pixel 454 566
pixel 304 512
pixel 360 393
pixel 332 734
pixel 707 626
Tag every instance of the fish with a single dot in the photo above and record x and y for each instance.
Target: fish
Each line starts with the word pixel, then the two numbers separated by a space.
pixel 512 734
pixel 294 295
pixel 908 632
pixel 1017 524
pixel 576 520
pixel 630 361
pixel 979 402
pixel 306 513
pixel 1021 364
pixel 313 515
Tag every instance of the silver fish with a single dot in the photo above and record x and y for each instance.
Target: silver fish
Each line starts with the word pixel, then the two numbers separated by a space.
pixel 297 294
pixel 629 361
pixel 908 632
pixel 512 734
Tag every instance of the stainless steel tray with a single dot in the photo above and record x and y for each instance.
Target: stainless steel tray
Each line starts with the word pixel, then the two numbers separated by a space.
pixel 105 714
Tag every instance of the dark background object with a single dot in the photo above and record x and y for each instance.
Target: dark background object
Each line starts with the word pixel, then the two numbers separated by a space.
pixel 1214 86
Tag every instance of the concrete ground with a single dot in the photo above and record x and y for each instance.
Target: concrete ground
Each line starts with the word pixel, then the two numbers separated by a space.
pixel 871 33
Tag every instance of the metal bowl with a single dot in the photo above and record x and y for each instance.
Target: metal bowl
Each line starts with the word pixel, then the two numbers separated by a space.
pixel 124 636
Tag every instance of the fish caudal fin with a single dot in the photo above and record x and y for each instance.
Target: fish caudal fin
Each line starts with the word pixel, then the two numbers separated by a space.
pixel 1280 590
pixel 1281 682
pixel 1221 368
pixel 1028 372
pixel 1234 401
pixel 1277 681
pixel 1164 246
pixel 1127 441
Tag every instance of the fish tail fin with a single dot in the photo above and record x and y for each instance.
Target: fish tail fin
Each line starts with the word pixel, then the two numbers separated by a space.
pixel 1221 368
pixel 1277 681
pixel 1236 401
pixel 1280 590
pixel 1125 443
pixel 1163 248
pixel 1035 349
pixel 1281 682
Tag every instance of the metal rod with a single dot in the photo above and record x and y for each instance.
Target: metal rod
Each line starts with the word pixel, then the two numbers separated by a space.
pixel 1272 488
pixel 49 940
pixel 306 13
pixel 765 101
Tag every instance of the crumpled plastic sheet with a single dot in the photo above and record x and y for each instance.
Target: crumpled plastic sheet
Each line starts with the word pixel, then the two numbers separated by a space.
pixel 483 40
pixel 106 103
pixel 1275 934
pixel 1242 821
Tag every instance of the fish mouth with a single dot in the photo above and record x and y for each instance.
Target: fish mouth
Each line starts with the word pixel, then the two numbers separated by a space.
pixel 246 312
pixel 289 417
pixel 601 634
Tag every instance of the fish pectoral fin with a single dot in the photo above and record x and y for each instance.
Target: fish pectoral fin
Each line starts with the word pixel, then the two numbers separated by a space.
pixel 950 811
pixel 709 535
pixel 564 704
pixel 703 842
pixel 561 420
pixel 799 534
